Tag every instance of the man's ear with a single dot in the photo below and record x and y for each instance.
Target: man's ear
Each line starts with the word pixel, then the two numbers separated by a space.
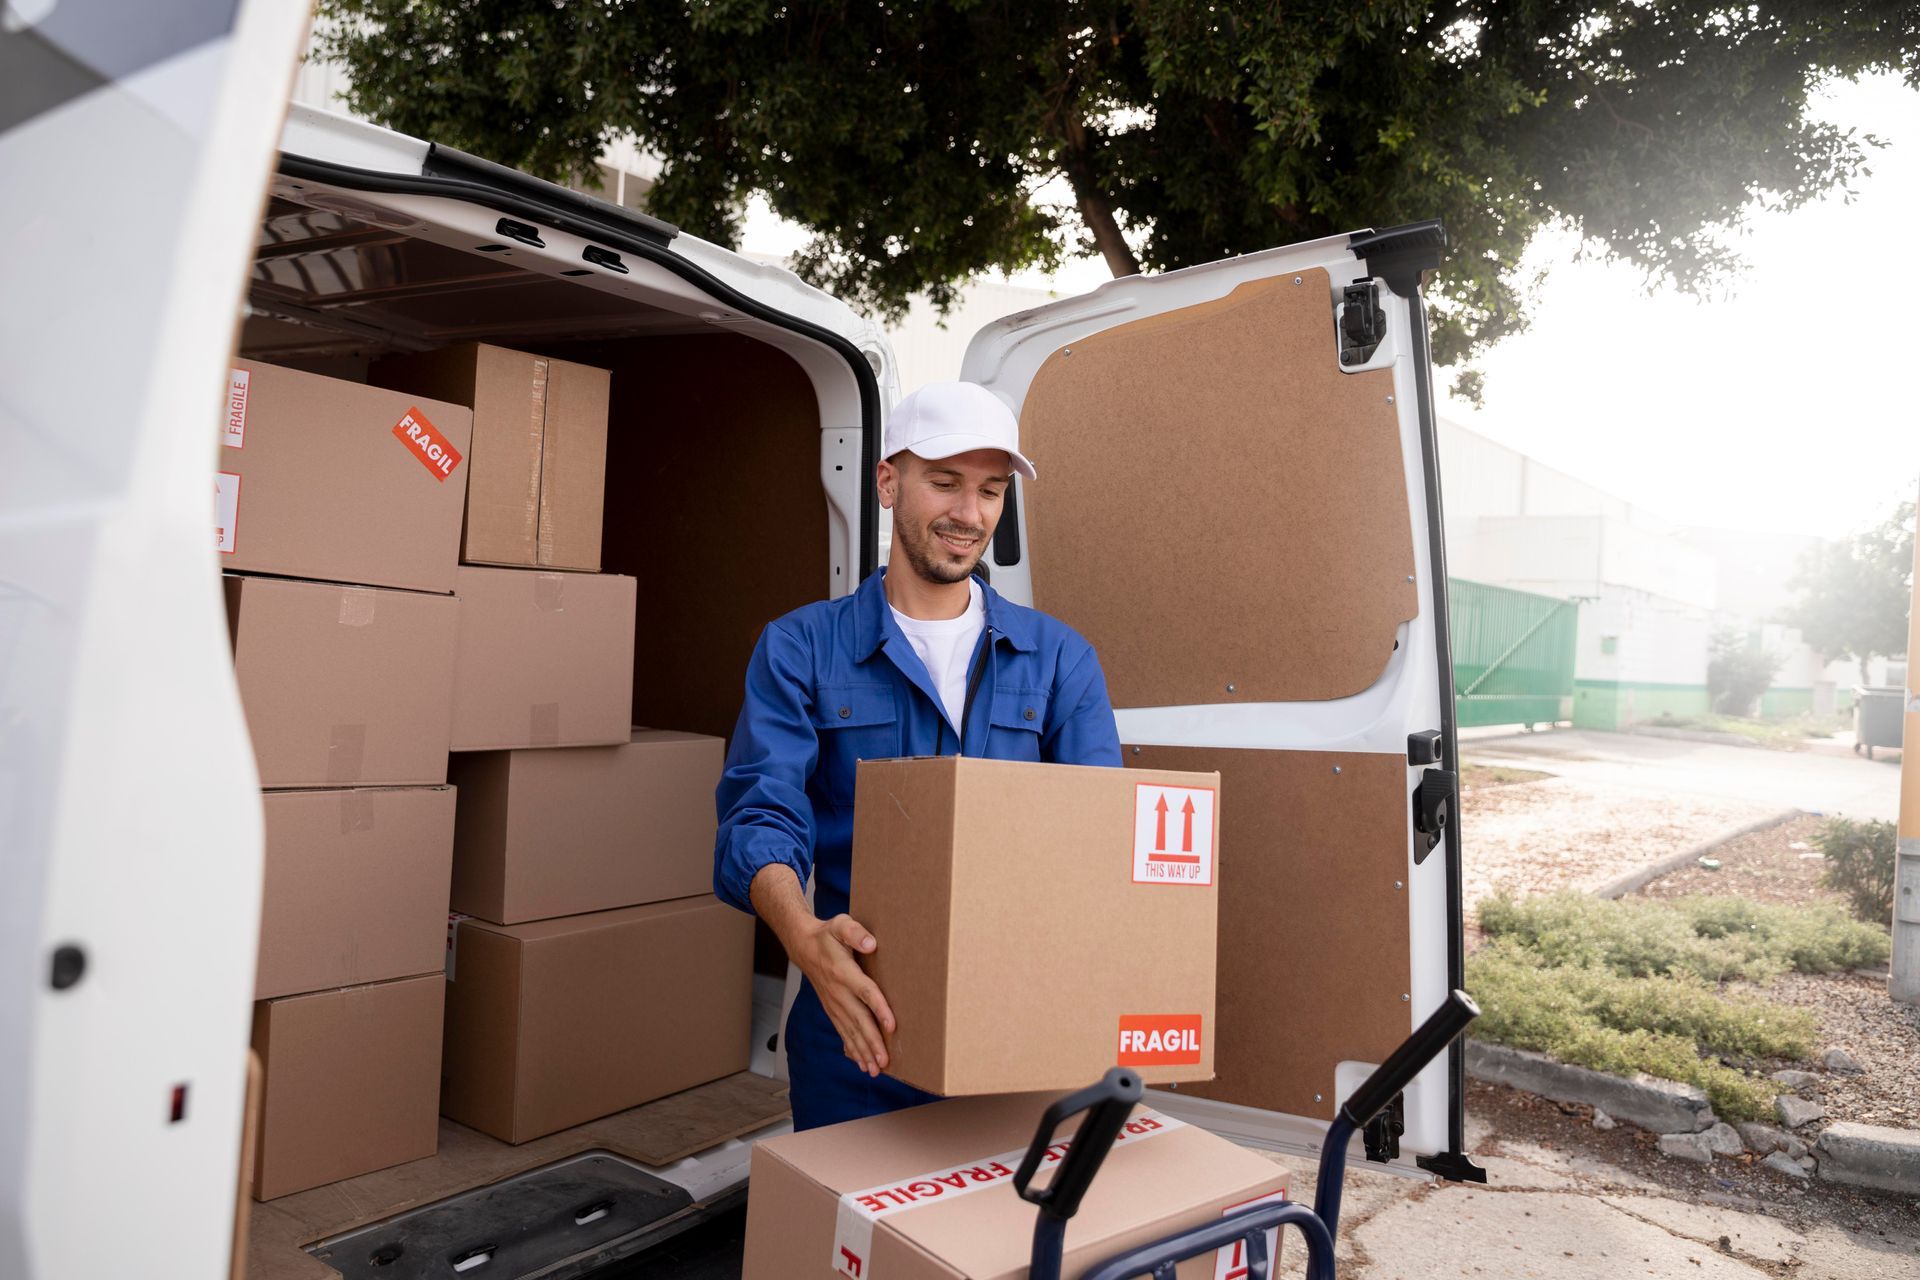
pixel 885 476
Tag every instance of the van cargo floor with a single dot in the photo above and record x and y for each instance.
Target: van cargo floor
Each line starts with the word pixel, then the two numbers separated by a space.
pixel 657 1134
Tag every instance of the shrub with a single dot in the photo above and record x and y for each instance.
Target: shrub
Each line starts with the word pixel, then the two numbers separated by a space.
pixel 1860 861
pixel 1591 1017
pixel 1738 672
pixel 1634 985
pixel 1716 939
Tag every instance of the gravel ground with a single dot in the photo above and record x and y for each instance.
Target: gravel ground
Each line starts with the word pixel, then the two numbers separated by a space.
pixel 1556 833
pixel 1781 864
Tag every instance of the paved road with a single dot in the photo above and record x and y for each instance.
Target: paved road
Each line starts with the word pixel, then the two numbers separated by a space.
pixel 1816 782
pixel 1563 1202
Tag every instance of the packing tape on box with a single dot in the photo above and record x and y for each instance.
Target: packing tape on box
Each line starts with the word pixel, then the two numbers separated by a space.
pixel 346 750
pixel 859 1210
pixel 357 606
pixel 537 433
pixel 543 724
pixel 550 592
pixel 356 811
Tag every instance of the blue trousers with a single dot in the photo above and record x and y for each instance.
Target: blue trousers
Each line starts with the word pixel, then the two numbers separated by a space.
pixel 826 1085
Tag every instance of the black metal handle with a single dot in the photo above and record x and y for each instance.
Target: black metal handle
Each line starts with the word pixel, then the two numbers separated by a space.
pixel 1107 1104
pixel 1427 1042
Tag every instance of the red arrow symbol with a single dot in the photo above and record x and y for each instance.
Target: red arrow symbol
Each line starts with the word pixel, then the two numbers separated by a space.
pixel 1160 824
pixel 1186 836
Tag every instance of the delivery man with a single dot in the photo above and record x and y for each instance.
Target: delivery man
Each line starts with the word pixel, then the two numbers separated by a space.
pixel 923 659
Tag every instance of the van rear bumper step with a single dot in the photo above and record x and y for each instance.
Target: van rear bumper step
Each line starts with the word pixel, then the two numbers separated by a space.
pixel 589 1209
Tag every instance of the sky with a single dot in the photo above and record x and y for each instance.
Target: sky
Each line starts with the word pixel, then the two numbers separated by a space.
pixel 1784 402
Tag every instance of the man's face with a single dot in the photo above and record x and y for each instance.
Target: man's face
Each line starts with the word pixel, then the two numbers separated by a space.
pixel 944 511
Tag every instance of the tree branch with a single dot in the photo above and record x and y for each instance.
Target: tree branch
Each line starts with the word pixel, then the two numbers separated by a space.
pixel 1095 209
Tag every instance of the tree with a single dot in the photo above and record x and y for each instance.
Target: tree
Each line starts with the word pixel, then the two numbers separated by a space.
pixel 1855 593
pixel 921 140
pixel 1738 672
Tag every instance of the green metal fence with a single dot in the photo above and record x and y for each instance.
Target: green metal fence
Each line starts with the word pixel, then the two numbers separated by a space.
pixel 1512 654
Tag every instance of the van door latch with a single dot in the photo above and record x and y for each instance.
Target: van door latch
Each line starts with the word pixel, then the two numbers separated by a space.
pixel 1382 1133
pixel 1433 802
pixel 1363 325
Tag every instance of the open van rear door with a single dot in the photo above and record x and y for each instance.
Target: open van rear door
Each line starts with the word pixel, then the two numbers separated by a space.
pixel 1239 505
pixel 136 139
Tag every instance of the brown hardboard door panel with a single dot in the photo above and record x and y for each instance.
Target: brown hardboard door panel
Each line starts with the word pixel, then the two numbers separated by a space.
pixel 1223 512
pixel 1314 947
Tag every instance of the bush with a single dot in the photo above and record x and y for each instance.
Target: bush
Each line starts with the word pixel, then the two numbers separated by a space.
pixel 1591 1017
pixel 1738 672
pixel 1860 861
pixel 1634 985
pixel 1715 939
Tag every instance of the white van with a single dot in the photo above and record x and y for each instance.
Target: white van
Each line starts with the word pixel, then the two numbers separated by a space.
pixel 1240 509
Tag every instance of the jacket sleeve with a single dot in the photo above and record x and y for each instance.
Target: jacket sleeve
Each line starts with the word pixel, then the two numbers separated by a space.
pixel 765 815
pixel 1086 733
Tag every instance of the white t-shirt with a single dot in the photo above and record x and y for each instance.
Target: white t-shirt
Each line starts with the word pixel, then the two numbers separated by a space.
pixel 946 646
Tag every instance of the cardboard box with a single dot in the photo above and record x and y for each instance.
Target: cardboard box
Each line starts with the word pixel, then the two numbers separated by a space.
pixel 545 660
pixel 352 1077
pixel 356 886
pixel 344 686
pixel 320 478
pixel 559 1022
pixel 537 474
pixel 1038 923
pixel 562 832
pixel 927 1193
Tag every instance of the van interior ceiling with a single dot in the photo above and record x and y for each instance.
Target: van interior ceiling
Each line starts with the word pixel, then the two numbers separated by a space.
pixel 713 442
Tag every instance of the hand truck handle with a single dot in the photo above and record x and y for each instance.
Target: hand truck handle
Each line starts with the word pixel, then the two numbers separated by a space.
pixel 1107 1104
pixel 1410 1059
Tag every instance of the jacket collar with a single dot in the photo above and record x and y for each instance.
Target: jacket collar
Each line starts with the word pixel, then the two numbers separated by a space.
pixel 875 625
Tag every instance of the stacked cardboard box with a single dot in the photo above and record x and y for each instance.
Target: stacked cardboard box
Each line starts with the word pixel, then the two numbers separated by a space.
pixel 589 970
pixel 350 497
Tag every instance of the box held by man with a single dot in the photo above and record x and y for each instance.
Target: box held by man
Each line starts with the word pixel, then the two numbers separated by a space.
pixel 1038 923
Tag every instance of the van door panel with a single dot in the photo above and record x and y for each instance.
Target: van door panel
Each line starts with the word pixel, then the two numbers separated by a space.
pixel 1314 945
pixel 1250 472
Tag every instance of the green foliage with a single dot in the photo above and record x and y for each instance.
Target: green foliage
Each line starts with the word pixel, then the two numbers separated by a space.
pixel 1860 862
pixel 1738 672
pixel 1592 1017
pixel 1711 938
pixel 922 143
pixel 1625 986
pixel 1854 595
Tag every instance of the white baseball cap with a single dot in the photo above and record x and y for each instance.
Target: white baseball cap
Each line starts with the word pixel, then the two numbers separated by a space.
pixel 942 419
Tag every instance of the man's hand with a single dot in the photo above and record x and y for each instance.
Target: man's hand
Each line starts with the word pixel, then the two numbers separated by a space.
pixel 825 951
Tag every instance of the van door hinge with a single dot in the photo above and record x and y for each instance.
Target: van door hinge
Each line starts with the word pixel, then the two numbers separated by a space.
pixel 1382 1133
pixel 1433 802
pixel 1362 323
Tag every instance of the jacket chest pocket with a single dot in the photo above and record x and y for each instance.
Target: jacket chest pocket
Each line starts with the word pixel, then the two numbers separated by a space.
pixel 854 722
pixel 1018 718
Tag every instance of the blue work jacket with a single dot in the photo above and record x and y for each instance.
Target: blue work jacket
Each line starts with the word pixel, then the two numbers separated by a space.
pixel 838 682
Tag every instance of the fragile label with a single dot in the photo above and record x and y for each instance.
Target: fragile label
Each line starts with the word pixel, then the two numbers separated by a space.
pixel 1230 1263
pixel 435 452
pixel 236 435
pixel 1159 1039
pixel 1172 834
pixel 226 511
pixel 859 1210
pixel 453 939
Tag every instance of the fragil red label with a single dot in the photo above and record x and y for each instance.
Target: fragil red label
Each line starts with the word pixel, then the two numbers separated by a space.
pixel 1159 1039
pixel 435 452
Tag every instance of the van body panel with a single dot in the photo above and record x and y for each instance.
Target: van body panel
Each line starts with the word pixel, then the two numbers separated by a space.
pixel 130 825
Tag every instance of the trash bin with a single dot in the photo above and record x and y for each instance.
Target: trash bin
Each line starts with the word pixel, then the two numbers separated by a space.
pixel 1879 712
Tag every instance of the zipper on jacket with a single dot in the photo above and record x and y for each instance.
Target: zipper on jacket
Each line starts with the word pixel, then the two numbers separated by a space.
pixel 973 686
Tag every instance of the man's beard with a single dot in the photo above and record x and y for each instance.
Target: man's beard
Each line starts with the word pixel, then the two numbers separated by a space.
pixel 930 558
